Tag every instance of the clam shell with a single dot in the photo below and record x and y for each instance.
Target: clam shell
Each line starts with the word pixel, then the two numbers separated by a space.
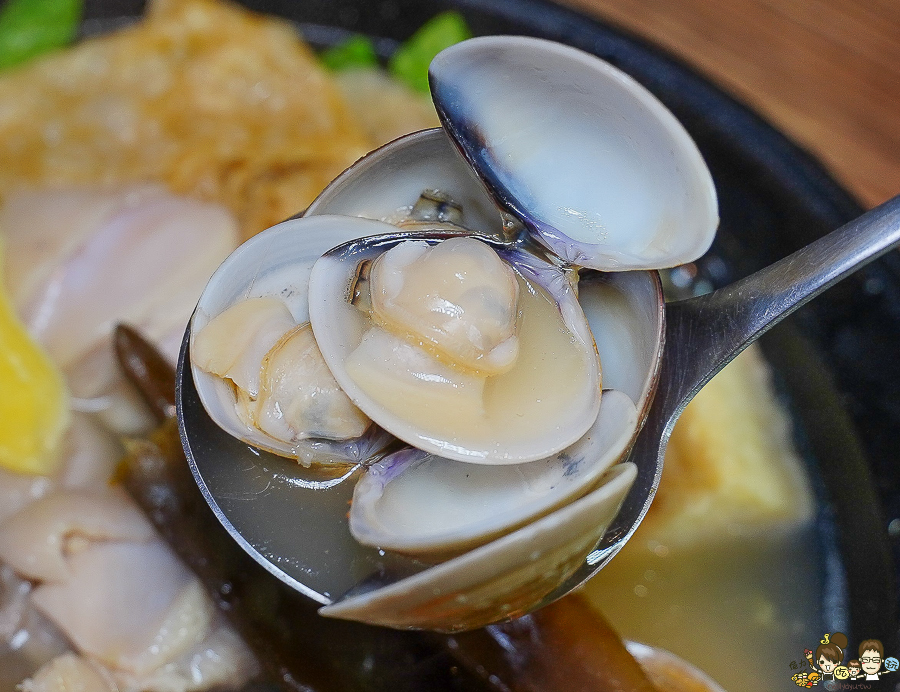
pixel 628 319
pixel 499 580
pixel 415 502
pixel 386 183
pixel 597 169
pixel 277 262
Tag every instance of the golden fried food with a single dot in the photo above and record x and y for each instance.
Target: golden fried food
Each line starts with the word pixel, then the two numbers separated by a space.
pixel 386 108
pixel 730 465
pixel 730 469
pixel 214 101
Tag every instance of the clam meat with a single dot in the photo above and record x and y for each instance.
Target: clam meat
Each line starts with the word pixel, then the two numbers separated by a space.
pixel 257 367
pixel 457 298
pixel 462 353
pixel 282 386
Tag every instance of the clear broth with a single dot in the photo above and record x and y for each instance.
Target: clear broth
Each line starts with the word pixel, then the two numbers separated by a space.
pixel 742 610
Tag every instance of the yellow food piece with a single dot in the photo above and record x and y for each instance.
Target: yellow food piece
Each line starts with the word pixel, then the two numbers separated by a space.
pixel 730 468
pixel 214 101
pixel 730 465
pixel 33 399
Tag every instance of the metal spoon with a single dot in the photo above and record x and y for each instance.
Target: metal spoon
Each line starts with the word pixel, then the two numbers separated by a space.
pixel 706 333
pixel 306 543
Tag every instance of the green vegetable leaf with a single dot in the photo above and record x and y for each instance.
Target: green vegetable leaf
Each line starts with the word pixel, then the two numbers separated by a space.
pixel 356 51
pixel 31 27
pixel 410 63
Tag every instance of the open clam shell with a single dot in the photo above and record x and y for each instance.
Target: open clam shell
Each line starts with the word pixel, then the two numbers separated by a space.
pixel 277 263
pixel 629 321
pixel 546 402
pixel 414 502
pixel 597 169
pixel 499 580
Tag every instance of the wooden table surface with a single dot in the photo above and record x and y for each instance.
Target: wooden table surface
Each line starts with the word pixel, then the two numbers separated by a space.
pixel 826 72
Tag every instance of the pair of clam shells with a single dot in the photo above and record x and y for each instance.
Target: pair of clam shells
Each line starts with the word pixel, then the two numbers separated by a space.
pixel 598 174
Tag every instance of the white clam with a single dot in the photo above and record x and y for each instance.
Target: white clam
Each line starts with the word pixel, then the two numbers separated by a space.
pixel 539 406
pixel 499 580
pixel 387 183
pixel 270 272
pixel 624 310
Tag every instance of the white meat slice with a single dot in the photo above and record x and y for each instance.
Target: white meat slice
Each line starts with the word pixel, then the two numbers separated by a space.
pixel 154 251
pixel 42 228
pixel 13 602
pixel 24 632
pixel 19 489
pixel 220 661
pixel 37 541
pixel 90 454
pixel 175 244
pixel 132 606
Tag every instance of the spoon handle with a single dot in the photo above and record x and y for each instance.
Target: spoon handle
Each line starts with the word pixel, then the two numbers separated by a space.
pixel 704 334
